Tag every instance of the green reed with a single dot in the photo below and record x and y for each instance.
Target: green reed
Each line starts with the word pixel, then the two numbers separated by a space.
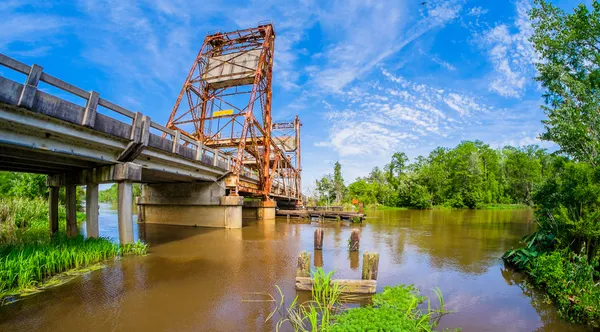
pixel 397 308
pixel 29 256
pixel 25 266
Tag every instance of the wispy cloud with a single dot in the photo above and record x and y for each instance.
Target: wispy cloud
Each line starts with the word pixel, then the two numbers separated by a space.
pixel 374 31
pixel 477 11
pixel 511 54
pixel 379 119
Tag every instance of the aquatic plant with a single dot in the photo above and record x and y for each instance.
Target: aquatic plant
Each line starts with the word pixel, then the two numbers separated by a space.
pixel 395 309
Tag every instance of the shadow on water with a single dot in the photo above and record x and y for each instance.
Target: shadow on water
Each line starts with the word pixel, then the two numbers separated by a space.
pixel 196 278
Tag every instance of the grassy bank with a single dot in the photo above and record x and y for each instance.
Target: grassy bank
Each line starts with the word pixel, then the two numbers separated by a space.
pixel 394 309
pixel 29 257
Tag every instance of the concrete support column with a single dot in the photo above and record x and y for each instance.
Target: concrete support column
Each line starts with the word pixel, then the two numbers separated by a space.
pixel 53 210
pixel 190 204
pixel 91 210
pixel 125 212
pixel 71 207
pixel 266 210
pixel 260 210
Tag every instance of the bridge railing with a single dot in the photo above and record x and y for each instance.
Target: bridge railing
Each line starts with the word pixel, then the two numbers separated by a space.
pixel 35 74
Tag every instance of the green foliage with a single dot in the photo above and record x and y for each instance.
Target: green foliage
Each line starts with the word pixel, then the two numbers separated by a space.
pixel 111 194
pixel 395 309
pixel 28 256
pixel 471 175
pixel 25 266
pixel 25 185
pixel 570 280
pixel 569 71
pixel 567 197
pixel 420 197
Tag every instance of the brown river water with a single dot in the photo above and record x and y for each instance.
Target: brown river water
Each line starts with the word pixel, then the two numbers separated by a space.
pixel 195 279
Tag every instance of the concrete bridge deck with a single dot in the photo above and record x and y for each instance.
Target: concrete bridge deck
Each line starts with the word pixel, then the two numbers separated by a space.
pixel 85 144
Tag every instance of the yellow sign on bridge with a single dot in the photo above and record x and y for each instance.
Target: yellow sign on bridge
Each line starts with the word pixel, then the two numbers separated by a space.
pixel 222 113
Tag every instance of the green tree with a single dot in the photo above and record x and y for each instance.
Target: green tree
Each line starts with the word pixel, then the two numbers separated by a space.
pixel 569 70
pixel 338 183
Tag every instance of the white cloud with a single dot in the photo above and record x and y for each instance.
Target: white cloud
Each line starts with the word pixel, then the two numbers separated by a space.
pixel 477 11
pixel 511 54
pixel 383 25
pixel 399 116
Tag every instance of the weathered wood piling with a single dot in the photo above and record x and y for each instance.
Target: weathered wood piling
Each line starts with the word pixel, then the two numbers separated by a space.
pixel 303 267
pixel 354 243
pixel 319 239
pixel 370 266
pixel 368 284
pixel 318 258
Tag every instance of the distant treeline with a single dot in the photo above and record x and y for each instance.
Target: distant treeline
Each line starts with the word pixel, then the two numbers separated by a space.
pixel 468 176
pixel 111 194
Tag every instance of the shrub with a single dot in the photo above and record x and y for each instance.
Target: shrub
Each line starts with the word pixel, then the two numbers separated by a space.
pixel 570 281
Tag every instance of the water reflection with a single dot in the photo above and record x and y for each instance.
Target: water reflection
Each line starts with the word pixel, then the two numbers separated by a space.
pixel 196 278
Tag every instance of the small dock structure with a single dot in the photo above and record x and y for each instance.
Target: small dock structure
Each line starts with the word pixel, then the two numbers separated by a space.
pixel 322 214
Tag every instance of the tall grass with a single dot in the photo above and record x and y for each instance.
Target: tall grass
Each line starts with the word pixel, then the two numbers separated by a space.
pixel 28 256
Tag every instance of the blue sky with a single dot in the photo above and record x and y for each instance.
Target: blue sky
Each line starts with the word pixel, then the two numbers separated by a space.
pixel 367 78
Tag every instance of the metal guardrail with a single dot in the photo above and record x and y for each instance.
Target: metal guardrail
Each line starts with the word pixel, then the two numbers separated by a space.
pixel 36 74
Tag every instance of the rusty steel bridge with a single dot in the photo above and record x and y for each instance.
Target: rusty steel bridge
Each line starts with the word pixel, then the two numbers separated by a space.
pixel 218 146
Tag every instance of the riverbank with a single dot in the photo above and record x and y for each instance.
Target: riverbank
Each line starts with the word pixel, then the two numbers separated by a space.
pixel 444 207
pixel 29 257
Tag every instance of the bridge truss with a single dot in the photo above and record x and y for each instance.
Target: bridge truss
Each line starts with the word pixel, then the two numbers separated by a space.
pixel 225 104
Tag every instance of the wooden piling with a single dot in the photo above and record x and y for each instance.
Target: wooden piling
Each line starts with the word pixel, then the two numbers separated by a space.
pixel 318 258
pixel 354 240
pixel 354 260
pixel 319 239
pixel 303 267
pixel 370 266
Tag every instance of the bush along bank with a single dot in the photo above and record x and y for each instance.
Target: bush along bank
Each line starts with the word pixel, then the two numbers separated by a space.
pixel 29 257
pixel 562 256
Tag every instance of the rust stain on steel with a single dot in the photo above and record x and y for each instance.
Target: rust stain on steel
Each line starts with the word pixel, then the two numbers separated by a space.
pixel 225 103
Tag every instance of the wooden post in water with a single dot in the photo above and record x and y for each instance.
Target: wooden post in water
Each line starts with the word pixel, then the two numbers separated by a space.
pixel 303 268
pixel 354 240
pixel 319 239
pixel 318 258
pixel 370 266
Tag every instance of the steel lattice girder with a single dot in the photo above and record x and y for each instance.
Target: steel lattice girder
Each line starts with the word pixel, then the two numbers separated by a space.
pixel 225 103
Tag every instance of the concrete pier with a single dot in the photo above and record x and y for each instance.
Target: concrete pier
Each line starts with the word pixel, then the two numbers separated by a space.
pixel 190 204
pixel 53 209
pixel 91 210
pixel 261 210
pixel 71 207
pixel 125 212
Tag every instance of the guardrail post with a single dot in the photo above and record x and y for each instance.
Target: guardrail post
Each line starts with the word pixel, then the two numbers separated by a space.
pixel 215 158
pixel 30 87
pixel 229 163
pixel 89 116
pixel 176 145
pixel 198 150
pixel 139 136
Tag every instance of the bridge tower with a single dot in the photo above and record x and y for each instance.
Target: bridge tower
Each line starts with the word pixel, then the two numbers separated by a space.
pixel 225 103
